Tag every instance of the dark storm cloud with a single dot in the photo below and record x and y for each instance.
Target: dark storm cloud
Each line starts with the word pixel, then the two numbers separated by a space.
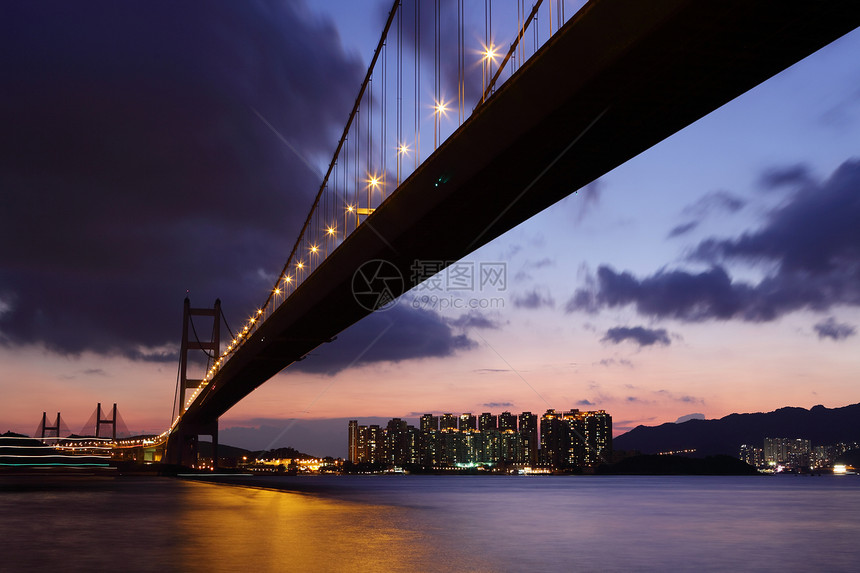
pixel 134 166
pixel 638 335
pixel 831 329
pixel 394 335
pixel 812 242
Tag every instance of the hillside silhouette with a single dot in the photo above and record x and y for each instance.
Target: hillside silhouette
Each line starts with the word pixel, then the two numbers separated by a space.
pixel 820 425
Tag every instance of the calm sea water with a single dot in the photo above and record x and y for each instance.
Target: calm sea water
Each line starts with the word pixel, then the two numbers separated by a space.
pixel 435 523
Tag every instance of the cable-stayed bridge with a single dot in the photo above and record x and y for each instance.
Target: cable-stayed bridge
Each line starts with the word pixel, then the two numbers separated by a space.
pixel 550 99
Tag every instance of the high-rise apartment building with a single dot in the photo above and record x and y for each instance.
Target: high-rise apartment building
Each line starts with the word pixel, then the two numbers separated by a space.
pixel 507 421
pixel 487 421
pixel 796 453
pixel 550 439
pixel 529 432
pixel 352 438
pixel 429 422
pixel 597 431
pixel 448 423
pixel 468 422
pixel 575 439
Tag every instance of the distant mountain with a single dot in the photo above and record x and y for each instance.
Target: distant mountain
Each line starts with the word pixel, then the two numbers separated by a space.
pixel 820 425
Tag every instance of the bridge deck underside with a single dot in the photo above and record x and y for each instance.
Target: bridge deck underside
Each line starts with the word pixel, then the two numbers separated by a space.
pixel 618 78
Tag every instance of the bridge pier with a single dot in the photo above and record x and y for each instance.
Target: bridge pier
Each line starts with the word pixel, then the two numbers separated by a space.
pixel 45 428
pixel 182 445
pixel 105 421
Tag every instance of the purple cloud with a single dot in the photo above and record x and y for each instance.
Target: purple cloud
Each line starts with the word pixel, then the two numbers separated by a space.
pixel 534 299
pixel 637 334
pixel 134 166
pixel 831 329
pixel 812 242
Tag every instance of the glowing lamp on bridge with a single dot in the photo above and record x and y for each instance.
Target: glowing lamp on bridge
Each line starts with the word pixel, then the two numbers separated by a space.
pixel 288 279
pixel 350 208
pixel 489 53
pixel 330 230
pixel 300 265
pixel 277 291
pixel 441 107
pixel 403 149
pixel 314 249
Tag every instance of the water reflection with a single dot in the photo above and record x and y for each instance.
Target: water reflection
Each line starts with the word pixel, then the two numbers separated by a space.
pixel 433 523
pixel 223 527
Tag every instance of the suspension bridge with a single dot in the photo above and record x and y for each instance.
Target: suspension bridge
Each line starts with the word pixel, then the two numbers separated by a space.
pixel 472 118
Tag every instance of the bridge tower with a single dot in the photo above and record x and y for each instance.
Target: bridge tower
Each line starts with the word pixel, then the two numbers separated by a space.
pixel 46 428
pixel 182 444
pixel 105 421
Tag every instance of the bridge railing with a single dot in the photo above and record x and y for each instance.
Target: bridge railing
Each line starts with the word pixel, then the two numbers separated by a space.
pixel 426 63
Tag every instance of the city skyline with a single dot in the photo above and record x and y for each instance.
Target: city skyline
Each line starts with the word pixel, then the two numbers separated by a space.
pixel 571 440
pixel 672 286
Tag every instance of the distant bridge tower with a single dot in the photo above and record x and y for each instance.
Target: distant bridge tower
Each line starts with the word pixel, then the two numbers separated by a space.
pixel 46 428
pixel 100 421
pixel 182 444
